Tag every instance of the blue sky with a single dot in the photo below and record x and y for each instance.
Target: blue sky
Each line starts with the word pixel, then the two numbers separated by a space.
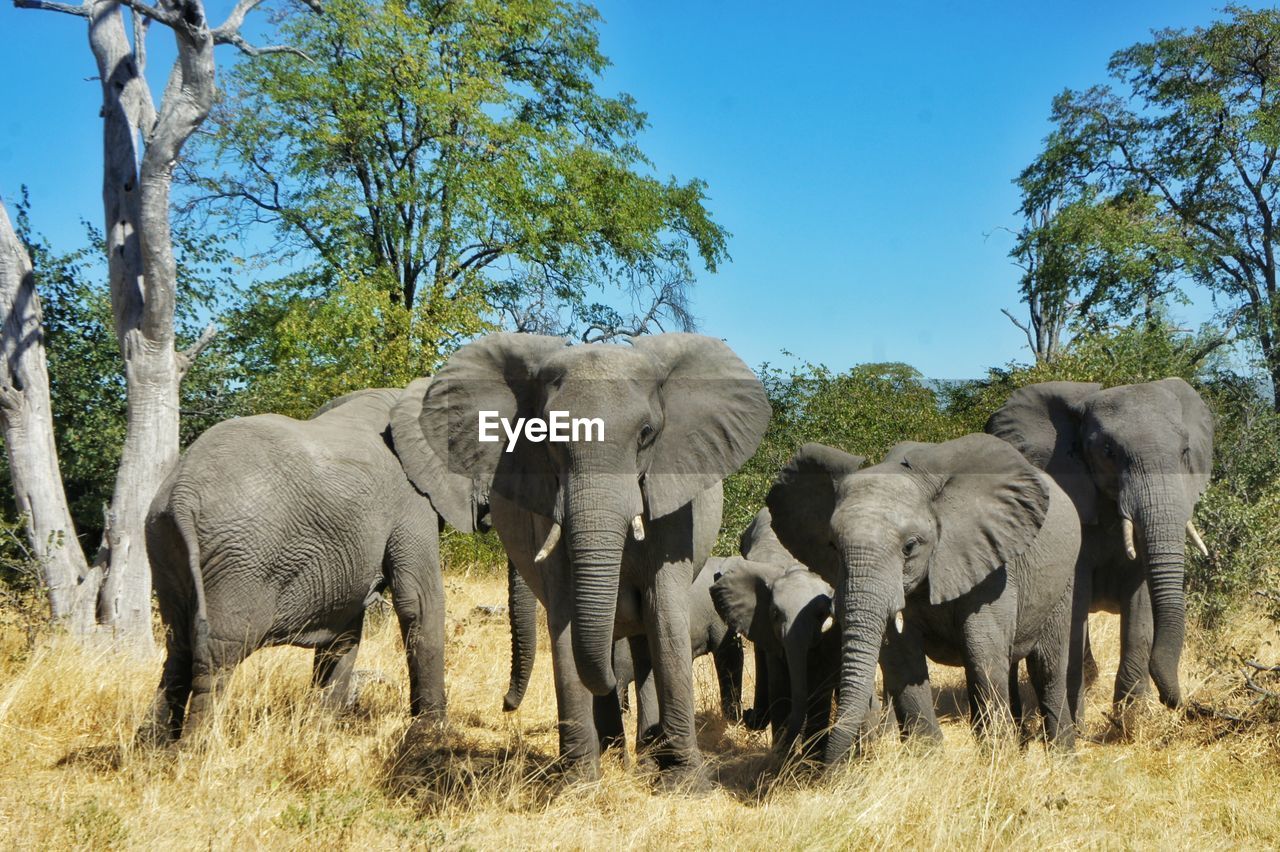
pixel 861 154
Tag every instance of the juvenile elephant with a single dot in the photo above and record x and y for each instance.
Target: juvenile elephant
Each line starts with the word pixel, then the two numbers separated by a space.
pixel 273 531
pixel 610 528
pixel 786 611
pixel 961 551
pixel 708 634
pixel 1135 459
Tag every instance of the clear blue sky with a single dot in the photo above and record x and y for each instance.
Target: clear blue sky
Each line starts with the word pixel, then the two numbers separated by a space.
pixel 861 154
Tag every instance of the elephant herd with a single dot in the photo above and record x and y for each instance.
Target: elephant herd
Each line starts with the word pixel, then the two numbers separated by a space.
pixel 980 552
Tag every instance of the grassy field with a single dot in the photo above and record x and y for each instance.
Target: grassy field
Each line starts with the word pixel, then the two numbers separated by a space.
pixel 275 771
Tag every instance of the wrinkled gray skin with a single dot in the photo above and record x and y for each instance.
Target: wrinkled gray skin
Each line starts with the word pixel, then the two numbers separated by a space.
pixel 680 413
pixel 974 546
pixel 275 531
pixel 1139 452
pixel 787 613
pixel 708 634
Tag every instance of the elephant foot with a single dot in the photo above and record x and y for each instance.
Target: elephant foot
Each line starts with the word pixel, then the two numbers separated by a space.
pixel 152 735
pixel 571 771
pixel 755 720
pixel 685 779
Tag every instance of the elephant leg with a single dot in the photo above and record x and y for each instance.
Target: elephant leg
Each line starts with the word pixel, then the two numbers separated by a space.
pixel 648 726
pixel 208 685
pixel 334 664
pixel 164 720
pixel 728 658
pixel 988 684
pixel 1015 695
pixel 906 679
pixel 1137 629
pixel 1048 669
pixel 606 712
pixel 579 745
pixel 417 591
pixel 666 618
pixel 757 718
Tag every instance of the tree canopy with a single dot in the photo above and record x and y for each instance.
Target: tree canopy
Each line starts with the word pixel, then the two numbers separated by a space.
pixel 1167 176
pixel 459 154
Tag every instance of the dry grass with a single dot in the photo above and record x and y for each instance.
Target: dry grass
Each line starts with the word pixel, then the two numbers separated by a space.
pixel 275 771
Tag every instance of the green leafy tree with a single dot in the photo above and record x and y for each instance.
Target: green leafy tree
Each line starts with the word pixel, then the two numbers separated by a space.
pixel 1193 122
pixel 455 150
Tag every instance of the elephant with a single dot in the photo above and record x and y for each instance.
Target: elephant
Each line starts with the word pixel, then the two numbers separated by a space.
pixel 961 551
pixel 608 529
pixel 1135 459
pixel 271 531
pixel 786 611
pixel 708 634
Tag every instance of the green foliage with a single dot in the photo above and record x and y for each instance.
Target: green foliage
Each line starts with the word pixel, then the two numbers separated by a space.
pixel 298 351
pixel 459 153
pixel 865 410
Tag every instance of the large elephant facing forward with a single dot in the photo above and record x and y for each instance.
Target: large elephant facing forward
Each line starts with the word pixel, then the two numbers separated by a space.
pixel 609 533
pixel 1134 459
pixel 961 551
pixel 275 531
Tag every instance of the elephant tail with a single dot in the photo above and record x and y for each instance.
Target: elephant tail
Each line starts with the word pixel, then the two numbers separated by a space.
pixel 201 658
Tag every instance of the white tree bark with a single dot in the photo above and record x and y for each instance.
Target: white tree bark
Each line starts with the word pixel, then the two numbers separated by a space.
pixel 140 148
pixel 27 421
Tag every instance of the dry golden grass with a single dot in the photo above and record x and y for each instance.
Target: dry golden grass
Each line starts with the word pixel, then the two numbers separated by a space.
pixel 275 771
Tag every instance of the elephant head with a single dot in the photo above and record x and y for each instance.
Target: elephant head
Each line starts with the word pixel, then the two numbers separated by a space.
pixel 1143 452
pixel 938 520
pixel 461 500
pixel 783 609
pixel 679 412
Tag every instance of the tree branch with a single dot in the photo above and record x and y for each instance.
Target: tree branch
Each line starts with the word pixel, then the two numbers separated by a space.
pixel 81 11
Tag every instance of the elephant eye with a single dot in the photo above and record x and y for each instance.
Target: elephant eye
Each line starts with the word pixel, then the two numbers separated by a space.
pixel 1109 450
pixel 646 435
pixel 910 546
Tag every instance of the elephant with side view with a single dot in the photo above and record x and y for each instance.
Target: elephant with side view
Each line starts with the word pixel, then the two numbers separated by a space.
pixel 1135 459
pixel 786 611
pixel 610 528
pixel 275 531
pixel 962 551
pixel 708 634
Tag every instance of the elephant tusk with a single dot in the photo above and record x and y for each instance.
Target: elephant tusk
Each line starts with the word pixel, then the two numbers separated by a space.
pixel 828 623
pixel 1196 539
pixel 1126 526
pixel 637 528
pixel 897 622
pixel 553 538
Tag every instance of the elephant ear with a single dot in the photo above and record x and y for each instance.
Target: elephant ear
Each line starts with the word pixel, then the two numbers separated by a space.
pixel 454 496
pixel 1198 420
pixel 802 500
pixel 990 504
pixel 759 542
pixel 715 412
pixel 1043 422
pixel 497 373
pixel 741 596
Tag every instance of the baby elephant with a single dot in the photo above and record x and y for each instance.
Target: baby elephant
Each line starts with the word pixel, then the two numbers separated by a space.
pixel 786 611
pixel 274 531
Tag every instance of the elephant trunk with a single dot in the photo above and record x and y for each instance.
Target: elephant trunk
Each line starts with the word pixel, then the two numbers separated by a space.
pixel 1161 518
pixel 522 609
pixel 863 606
pixel 597 534
pixel 798 669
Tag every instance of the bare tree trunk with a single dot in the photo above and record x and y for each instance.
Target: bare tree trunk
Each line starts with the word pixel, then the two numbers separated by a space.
pixel 140 149
pixel 26 417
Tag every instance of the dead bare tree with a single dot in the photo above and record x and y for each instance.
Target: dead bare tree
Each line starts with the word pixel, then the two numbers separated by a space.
pixel 141 146
pixel 27 420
